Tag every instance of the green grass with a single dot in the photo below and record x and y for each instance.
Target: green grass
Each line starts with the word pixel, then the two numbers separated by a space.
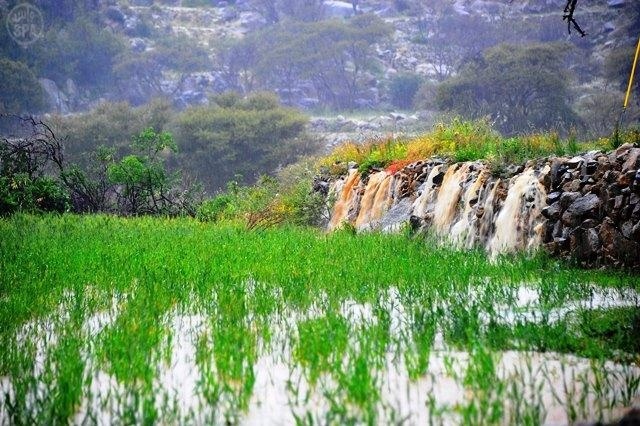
pixel 461 140
pixel 281 290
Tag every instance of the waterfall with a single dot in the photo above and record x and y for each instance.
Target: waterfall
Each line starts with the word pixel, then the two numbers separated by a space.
pixel 518 225
pixel 461 203
pixel 347 199
pixel 367 205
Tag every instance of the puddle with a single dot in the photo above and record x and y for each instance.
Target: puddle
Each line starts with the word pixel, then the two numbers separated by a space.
pixel 554 388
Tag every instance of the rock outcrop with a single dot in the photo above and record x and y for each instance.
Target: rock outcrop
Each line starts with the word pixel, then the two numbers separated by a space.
pixel 586 208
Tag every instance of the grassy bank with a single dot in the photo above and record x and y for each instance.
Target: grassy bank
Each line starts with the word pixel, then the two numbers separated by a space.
pixel 282 287
pixel 462 140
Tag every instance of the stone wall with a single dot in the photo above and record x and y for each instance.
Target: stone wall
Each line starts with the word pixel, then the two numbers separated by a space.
pixel 593 208
pixel 585 208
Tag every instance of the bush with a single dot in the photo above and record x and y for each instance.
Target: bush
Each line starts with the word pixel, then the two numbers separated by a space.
pixel 214 209
pixel 519 87
pixel 25 185
pixel 403 90
pixel 249 137
pixel 23 193
pixel 20 91
pixel 286 199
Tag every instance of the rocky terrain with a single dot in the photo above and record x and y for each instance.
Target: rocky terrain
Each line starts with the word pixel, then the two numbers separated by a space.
pixel 410 48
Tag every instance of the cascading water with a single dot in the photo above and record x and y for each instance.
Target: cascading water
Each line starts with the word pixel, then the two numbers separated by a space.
pixel 347 199
pixel 519 223
pixel 368 207
pixel 461 203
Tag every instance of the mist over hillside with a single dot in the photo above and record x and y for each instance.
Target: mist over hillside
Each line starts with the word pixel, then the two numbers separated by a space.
pixel 357 70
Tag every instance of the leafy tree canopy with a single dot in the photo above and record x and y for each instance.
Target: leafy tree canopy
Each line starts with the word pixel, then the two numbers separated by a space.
pixel 519 87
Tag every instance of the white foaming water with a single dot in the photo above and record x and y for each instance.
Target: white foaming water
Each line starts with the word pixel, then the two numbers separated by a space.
pixel 516 227
pixel 468 208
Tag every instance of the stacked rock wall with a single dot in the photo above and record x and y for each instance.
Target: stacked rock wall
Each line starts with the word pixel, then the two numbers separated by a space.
pixel 586 208
pixel 593 208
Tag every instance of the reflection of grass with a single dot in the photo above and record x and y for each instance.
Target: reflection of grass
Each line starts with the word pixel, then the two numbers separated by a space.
pixel 247 284
pixel 611 333
pixel 321 344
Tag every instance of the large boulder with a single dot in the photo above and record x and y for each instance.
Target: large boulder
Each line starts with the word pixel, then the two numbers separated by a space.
pixel 337 9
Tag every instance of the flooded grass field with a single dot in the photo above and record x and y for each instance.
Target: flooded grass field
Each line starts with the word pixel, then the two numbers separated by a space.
pixel 117 321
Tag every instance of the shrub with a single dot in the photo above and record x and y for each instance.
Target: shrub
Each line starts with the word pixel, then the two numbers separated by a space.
pixel 20 91
pixel 214 209
pixel 23 193
pixel 234 136
pixel 403 89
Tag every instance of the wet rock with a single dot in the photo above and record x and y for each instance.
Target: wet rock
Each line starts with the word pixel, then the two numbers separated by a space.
pixel 567 198
pixel 553 197
pixel 558 169
pixel 553 211
pixel 437 179
pixel 589 223
pixel 627 229
pixel 321 186
pixel 586 205
pixel 337 9
pixel 575 162
pixel 631 163
pixel 573 186
pixel 585 244
pixel 627 178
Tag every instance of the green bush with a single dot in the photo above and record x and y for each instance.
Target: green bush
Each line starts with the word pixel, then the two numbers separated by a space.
pixel 20 91
pixel 214 209
pixel 403 90
pixel 22 193
pixel 287 198
pixel 249 137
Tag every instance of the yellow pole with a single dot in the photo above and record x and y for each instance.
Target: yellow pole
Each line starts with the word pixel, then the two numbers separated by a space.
pixel 633 71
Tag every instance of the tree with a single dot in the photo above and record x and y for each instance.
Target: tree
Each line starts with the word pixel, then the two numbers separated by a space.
pixel 325 59
pixel 449 43
pixel 20 91
pixel 112 125
pixel 273 11
pixel 143 183
pixel 247 136
pixel 519 87
pixel 28 171
pixel 82 51
pixel 403 89
pixel 176 53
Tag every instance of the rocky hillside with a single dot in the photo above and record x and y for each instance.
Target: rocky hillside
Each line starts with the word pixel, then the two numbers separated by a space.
pixel 423 41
